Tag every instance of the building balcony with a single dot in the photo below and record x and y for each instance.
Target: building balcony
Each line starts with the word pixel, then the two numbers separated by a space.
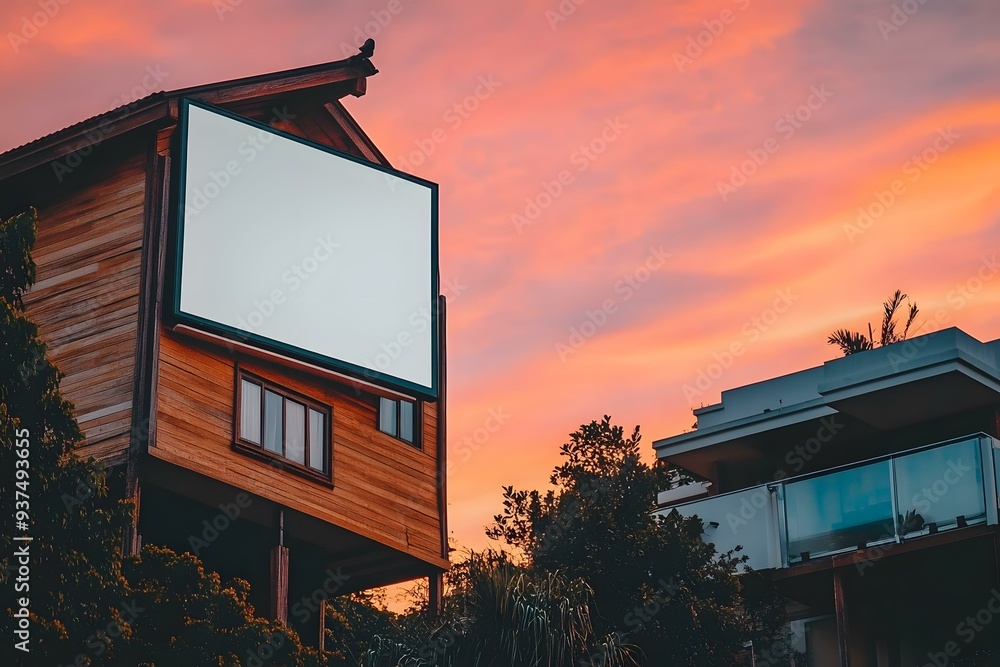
pixel 891 499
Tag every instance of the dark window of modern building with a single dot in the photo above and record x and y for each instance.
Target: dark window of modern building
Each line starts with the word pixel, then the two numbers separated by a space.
pixel 278 423
pixel 400 419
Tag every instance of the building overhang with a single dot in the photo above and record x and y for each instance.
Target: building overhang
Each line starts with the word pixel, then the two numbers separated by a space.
pixel 368 562
pixel 928 377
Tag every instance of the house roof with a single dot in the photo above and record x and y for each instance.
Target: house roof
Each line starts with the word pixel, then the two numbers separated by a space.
pixel 342 77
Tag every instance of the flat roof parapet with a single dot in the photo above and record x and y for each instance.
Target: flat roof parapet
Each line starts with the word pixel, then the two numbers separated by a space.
pixel 810 393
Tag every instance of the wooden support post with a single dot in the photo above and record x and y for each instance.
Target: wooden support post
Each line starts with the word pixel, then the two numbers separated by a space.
pixel 436 593
pixel 156 207
pixel 840 606
pixel 279 575
pixel 322 627
pixel 279 584
pixel 132 542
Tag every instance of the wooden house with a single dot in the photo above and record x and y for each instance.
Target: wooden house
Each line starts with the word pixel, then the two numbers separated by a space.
pixel 349 492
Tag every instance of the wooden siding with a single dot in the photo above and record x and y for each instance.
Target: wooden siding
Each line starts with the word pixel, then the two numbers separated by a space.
pixel 383 488
pixel 86 296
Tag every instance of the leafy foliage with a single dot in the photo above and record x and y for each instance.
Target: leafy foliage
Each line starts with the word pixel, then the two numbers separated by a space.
pixel 355 622
pixel 654 579
pixel 182 615
pixel 505 614
pixel 88 604
pixel 850 342
pixel 75 579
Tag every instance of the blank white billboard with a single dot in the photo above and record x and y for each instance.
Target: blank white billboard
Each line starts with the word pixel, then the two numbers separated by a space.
pixel 300 249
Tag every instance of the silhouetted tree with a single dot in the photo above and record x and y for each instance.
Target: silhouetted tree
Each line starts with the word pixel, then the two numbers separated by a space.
pixel 88 605
pixel 73 578
pixel 182 615
pixel 354 621
pixel 501 614
pixel 655 581
pixel 850 342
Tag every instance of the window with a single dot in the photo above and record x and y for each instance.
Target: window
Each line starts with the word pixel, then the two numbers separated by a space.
pixel 276 423
pixel 400 419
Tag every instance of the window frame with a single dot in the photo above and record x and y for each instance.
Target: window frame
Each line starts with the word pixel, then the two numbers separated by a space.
pixel 418 420
pixel 279 461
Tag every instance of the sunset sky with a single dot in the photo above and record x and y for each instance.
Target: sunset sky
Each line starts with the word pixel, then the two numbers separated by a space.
pixel 628 189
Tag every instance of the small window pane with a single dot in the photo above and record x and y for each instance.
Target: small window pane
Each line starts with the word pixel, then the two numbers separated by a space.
pixel 295 432
pixel 406 421
pixel 250 412
pixel 273 421
pixel 317 440
pixel 387 416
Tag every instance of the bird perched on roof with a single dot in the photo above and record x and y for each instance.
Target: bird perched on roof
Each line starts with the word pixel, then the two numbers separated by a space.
pixel 368 48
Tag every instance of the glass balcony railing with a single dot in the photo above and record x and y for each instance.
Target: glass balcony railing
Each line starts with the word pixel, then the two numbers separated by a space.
pixel 938 488
pixel 890 499
pixel 839 511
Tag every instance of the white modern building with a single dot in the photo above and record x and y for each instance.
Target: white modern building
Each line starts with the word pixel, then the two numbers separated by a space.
pixel 866 489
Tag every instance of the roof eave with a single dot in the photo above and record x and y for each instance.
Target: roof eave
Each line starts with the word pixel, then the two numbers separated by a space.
pixel 277 83
pixel 163 107
pixel 84 135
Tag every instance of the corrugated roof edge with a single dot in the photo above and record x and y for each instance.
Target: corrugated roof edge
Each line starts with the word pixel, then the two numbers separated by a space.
pixel 93 120
pixel 355 67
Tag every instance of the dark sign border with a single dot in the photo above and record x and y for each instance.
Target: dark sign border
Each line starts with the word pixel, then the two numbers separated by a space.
pixel 360 372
